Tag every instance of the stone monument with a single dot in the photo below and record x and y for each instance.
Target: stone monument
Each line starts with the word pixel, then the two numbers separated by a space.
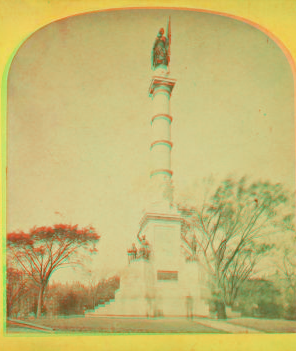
pixel 159 280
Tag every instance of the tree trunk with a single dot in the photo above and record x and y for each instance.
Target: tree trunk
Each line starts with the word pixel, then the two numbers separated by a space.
pixel 221 310
pixel 218 300
pixel 9 308
pixel 40 301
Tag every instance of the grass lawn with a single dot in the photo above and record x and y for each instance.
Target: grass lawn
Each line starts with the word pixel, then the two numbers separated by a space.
pixel 12 329
pixel 124 325
pixel 266 325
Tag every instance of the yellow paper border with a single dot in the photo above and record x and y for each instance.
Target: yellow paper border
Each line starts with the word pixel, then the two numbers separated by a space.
pixel 21 18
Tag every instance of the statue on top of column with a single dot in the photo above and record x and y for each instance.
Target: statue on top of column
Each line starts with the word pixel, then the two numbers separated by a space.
pixel 161 49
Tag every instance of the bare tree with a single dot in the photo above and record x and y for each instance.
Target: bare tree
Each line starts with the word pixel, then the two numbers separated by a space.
pixel 288 270
pixel 228 233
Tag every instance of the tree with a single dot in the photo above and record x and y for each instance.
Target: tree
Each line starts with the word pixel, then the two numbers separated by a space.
pixel 43 250
pixel 106 289
pixel 228 233
pixel 285 266
pixel 73 299
pixel 18 287
pixel 259 298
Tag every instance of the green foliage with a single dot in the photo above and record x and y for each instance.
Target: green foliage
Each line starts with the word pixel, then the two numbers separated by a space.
pixel 290 310
pixel 259 298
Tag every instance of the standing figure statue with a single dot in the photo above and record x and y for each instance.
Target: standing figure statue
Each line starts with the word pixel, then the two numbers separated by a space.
pixel 161 49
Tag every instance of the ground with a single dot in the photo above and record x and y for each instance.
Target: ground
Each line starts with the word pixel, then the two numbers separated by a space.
pixel 123 325
pixel 158 325
pixel 266 325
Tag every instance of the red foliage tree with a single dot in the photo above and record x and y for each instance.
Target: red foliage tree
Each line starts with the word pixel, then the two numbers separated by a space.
pixel 45 249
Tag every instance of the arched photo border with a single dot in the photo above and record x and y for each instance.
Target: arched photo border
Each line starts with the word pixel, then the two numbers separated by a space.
pixel 20 20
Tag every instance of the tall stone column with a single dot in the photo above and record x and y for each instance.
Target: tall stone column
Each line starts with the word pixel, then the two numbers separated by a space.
pixel 158 281
pixel 160 91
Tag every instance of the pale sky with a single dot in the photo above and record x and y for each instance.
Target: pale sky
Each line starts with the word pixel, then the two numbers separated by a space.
pixel 79 118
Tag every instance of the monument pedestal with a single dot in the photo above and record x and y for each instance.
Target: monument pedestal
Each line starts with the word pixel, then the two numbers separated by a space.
pixel 165 284
pixel 179 286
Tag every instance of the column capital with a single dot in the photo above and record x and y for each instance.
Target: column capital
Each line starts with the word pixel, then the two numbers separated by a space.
pixel 161 83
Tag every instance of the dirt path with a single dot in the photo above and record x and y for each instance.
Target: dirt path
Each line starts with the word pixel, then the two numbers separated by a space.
pixel 226 327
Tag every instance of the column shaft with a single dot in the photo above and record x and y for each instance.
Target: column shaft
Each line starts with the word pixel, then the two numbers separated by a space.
pixel 161 145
